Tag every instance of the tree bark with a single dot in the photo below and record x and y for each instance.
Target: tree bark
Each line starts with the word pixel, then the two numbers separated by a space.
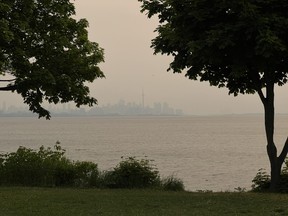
pixel 275 161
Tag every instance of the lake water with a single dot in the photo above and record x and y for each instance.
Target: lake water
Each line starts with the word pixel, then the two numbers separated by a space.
pixel 216 153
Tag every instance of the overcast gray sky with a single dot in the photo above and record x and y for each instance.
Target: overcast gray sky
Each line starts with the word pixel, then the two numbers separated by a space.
pixel 130 66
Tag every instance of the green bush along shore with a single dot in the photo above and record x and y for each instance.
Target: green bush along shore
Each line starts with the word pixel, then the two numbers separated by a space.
pixel 261 181
pixel 48 167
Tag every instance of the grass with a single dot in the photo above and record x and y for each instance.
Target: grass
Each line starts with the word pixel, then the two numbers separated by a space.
pixel 46 201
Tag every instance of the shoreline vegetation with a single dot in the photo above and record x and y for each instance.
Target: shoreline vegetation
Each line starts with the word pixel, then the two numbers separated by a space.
pixel 49 167
pixel 44 182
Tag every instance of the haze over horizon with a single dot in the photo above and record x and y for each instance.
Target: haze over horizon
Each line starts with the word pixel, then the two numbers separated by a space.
pixel 130 67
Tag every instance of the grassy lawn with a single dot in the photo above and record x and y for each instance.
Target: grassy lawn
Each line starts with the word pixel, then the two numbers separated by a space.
pixel 53 202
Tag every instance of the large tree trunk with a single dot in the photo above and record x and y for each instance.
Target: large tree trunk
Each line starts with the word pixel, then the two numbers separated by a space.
pixel 275 161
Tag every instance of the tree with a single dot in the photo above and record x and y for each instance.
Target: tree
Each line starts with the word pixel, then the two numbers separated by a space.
pixel 47 53
pixel 240 45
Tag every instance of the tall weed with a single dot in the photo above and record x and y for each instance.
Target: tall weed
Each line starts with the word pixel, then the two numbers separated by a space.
pixel 172 183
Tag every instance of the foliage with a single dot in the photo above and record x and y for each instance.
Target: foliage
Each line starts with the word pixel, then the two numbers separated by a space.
pixel 47 53
pixel 132 173
pixel 87 174
pixel 171 183
pixel 45 167
pixel 49 167
pixel 233 44
pixel 262 180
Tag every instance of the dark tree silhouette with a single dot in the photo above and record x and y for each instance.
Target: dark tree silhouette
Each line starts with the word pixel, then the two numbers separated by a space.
pixel 47 52
pixel 240 45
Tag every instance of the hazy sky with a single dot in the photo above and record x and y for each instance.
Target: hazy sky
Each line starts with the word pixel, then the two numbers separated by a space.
pixel 130 66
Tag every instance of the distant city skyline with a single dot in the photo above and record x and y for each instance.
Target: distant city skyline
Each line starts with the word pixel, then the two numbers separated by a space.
pixel 119 108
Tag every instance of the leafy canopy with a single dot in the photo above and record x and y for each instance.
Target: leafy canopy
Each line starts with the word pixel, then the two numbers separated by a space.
pixel 241 45
pixel 47 52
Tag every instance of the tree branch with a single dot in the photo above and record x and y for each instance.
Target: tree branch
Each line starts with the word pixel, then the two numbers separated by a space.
pixel 261 95
pixel 8 88
pixel 284 152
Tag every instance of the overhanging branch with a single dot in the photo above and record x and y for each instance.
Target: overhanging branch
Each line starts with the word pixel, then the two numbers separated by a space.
pixel 8 88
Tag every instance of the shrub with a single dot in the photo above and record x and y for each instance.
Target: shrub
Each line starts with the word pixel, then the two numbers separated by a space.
pixel 172 183
pixel 64 173
pixel 23 167
pixel 107 179
pixel 87 174
pixel 261 181
pixel 284 183
pixel 132 173
pixel 46 167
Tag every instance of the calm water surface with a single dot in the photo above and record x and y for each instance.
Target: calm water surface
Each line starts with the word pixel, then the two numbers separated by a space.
pixel 216 153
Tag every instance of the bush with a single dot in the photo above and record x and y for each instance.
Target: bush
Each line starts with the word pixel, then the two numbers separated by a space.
pixel 132 173
pixel 171 183
pixel 46 167
pixel 107 179
pixel 87 174
pixel 261 181
pixel 23 167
